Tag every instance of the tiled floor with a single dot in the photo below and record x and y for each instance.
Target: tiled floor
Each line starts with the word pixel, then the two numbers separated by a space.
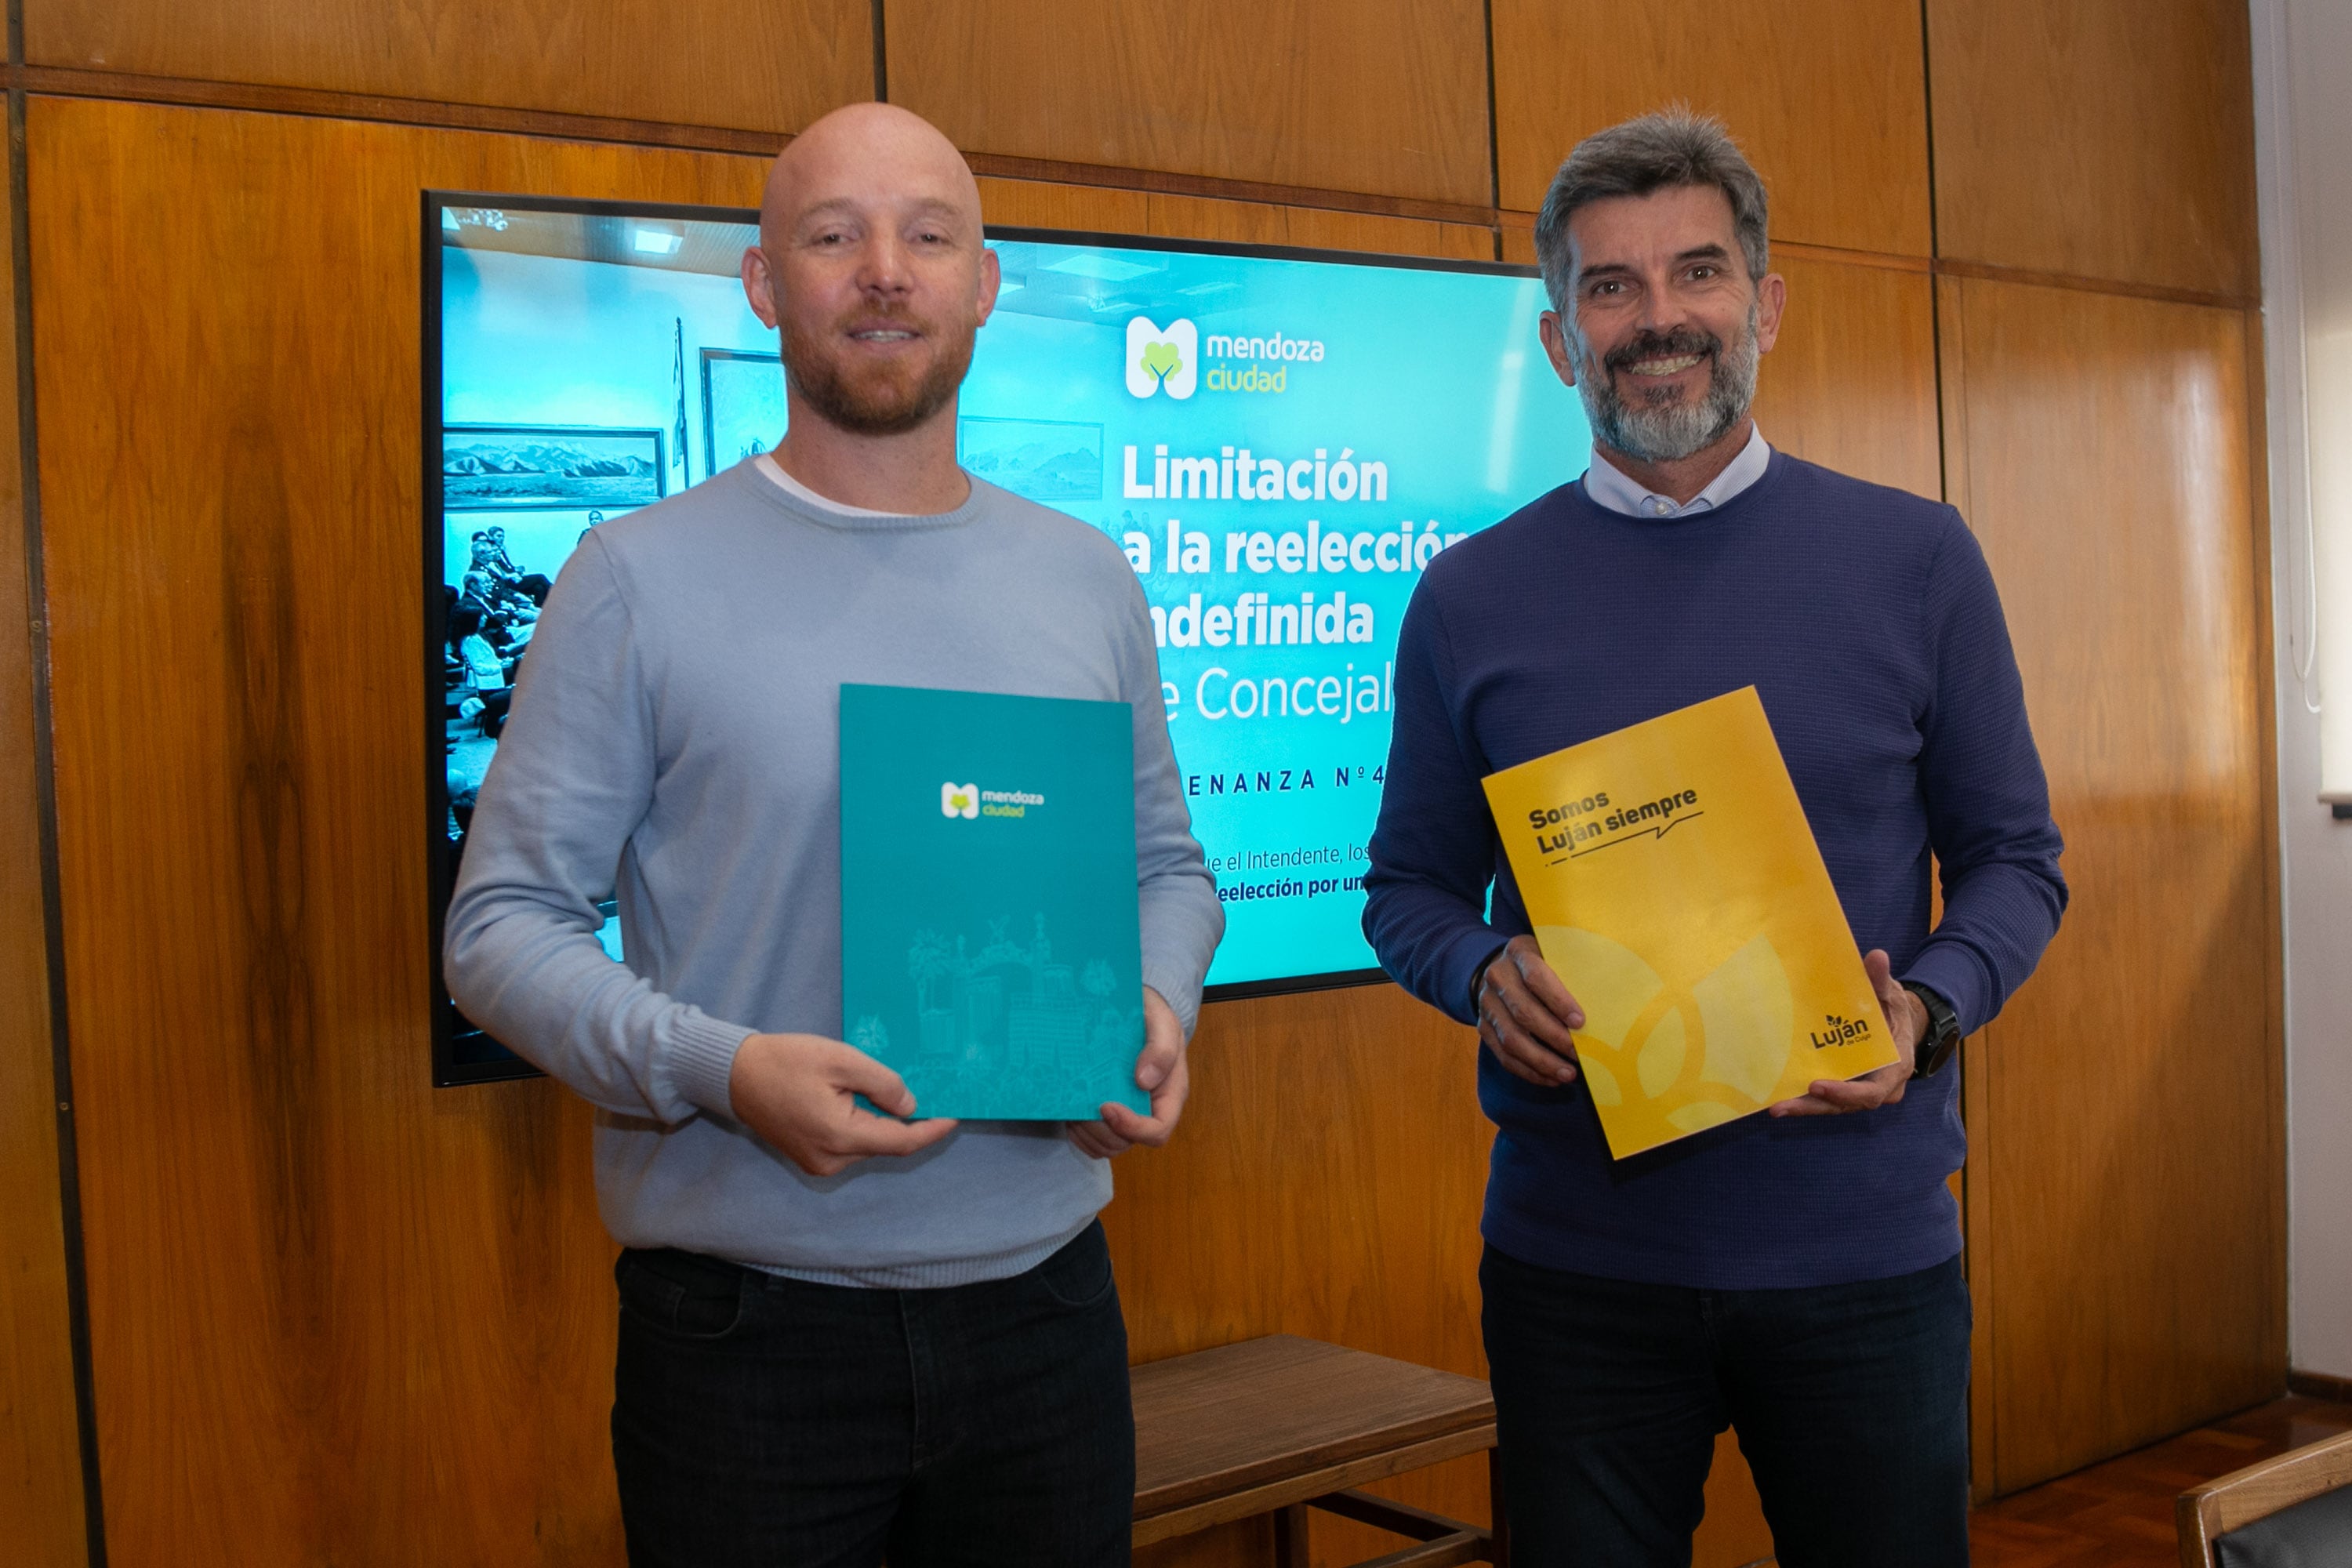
pixel 2119 1514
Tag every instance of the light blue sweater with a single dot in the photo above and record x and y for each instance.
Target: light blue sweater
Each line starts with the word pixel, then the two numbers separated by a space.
pixel 674 742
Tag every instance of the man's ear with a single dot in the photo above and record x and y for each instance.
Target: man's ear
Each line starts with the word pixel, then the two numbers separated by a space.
pixel 759 286
pixel 991 278
pixel 1554 333
pixel 1771 300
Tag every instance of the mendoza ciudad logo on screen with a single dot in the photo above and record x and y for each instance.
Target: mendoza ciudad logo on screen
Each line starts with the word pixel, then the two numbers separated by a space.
pixel 1169 360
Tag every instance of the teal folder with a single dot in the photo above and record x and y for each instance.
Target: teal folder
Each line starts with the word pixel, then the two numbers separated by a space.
pixel 991 948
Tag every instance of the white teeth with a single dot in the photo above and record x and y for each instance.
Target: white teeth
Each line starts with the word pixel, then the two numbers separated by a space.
pixel 882 336
pixel 1664 366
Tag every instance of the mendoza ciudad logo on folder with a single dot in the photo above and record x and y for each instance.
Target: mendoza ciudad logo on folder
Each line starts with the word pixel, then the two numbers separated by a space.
pixel 990 947
pixel 1674 885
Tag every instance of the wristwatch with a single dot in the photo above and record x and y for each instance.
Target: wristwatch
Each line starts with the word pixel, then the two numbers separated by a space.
pixel 1943 1036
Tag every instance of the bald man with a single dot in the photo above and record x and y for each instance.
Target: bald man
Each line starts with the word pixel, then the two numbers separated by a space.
pixel 841 1334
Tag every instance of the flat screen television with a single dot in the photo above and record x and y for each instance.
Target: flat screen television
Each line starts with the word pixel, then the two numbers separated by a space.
pixel 1281 440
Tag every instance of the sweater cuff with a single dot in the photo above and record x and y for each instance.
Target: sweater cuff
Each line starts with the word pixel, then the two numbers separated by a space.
pixel 702 1058
pixel 1179 989
pixel 1465 956
pixel 1953 973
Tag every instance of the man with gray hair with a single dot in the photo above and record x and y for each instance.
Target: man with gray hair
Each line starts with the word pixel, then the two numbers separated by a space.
pixel 1794 1276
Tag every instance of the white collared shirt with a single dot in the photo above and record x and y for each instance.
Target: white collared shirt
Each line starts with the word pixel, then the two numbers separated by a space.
pixel 1607 485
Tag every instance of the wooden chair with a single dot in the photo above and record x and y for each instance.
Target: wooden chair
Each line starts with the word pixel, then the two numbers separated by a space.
pixel 1281 1426
pixel 2256 1492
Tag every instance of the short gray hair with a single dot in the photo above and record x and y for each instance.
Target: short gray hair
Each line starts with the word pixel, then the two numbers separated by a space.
pixel 1651 152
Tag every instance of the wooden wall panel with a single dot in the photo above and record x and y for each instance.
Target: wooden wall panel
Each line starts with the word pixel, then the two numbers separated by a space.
pixel 1379 96
pixel 41 1454
pixel 337 1317
pixel 1032 204
pixel 1851 383
pixel 1827 96
pixel 2126 1106
pixel 753 65
pixel 2101 138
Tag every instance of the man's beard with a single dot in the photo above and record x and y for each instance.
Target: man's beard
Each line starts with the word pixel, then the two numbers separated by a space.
pixel 889 399
pixel 1669 429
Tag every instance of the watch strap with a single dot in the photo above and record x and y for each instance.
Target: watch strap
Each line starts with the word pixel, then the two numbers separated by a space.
pixel 1943 1034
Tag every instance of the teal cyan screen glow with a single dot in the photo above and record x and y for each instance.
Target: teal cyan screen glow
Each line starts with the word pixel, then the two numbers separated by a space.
pixel 1281 445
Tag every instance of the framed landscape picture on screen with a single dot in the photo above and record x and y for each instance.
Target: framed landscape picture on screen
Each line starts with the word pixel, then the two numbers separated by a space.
pixel 742 406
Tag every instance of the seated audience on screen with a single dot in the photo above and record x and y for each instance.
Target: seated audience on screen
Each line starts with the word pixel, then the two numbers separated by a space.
pixel 1795 1275
pixel 531 586
pixel 492 584
pixel 484 681
pixel 842 1334
pixel 501 560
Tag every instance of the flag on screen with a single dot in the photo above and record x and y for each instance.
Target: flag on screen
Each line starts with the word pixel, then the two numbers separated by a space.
pixel 677 378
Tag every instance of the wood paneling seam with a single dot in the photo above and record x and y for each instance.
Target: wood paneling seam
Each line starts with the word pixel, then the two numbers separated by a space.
pixel 1927 120
pixel 65 81
pixel 68 81
pixel 1494 127
pixel 2266 721
pixel 1954 266
pixel 46 797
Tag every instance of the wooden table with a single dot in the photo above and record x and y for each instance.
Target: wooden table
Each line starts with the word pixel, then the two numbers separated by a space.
pixel 1281 1424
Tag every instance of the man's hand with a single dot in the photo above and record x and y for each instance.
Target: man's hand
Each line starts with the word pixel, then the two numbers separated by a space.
pixel 797 1091
pixel 1907 1017
pixel 1526 1016
pixel 1160 1072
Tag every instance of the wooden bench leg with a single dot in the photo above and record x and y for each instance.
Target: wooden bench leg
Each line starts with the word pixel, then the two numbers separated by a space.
pixel 1442 1542
pixel 1290 1536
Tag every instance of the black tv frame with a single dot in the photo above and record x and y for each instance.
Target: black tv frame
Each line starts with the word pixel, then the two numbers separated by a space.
pixel 440 862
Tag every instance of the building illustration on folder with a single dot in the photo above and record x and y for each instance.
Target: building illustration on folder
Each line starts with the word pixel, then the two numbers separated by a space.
pixel 1003 1005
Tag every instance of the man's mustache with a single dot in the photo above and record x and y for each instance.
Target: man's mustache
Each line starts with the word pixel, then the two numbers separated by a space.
pixel 890 315
pixel 1664 345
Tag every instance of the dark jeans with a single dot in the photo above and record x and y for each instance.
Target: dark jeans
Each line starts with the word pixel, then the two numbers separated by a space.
pixel 758 1420
pixel 1850 1403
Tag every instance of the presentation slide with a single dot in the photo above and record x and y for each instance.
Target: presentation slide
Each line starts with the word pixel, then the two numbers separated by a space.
pixel 1282 446
pixel 1281 442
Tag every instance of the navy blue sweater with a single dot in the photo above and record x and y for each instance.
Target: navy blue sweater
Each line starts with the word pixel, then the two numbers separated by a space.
pixel 1867 620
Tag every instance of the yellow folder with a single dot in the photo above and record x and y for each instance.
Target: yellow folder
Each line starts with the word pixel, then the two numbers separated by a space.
pixel 1674 885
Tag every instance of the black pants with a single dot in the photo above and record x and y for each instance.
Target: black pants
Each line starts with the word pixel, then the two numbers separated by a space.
pixel 1850 1403
pixel 771 1422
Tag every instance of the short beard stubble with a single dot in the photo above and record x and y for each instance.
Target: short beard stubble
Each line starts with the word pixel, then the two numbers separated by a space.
pixel 879 405
pixel 1669 430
